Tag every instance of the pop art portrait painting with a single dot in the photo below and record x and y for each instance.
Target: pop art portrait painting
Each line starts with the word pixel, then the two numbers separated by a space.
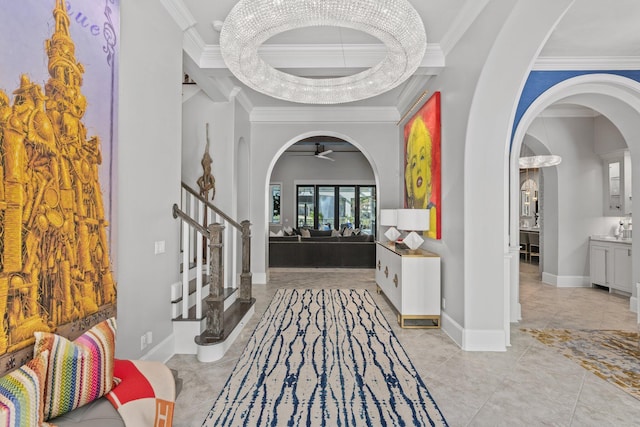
pixel 422 178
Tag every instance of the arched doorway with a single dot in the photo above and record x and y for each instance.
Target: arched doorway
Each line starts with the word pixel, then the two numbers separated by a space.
pixel 614 97
pixel 320 159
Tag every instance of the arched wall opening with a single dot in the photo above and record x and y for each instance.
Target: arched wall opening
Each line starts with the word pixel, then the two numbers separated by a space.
pixel 329 180
pixel 547 191
pixel 613 96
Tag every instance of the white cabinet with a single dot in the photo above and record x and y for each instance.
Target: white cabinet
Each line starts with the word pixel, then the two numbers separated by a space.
pixel 621 267
pixel 610 264
pixel 617 183
pixel 598 264
pixel 411 283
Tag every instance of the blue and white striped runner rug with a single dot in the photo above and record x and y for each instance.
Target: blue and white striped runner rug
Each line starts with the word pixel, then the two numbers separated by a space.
pixel 324 357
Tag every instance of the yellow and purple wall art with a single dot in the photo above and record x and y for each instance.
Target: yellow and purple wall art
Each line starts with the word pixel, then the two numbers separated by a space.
pixel 422 177
pixel 58 113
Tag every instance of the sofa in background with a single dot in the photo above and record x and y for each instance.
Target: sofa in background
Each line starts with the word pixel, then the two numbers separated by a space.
pixel 322 249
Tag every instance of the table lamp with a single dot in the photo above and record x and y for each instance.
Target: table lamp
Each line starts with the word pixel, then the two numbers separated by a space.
pixel 413 220
pixel 389 218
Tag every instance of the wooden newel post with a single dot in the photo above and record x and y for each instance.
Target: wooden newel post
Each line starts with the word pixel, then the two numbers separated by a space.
pixel 215 300
pixel 245 276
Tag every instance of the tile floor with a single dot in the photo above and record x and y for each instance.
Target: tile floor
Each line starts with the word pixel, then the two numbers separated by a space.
pixel 528 385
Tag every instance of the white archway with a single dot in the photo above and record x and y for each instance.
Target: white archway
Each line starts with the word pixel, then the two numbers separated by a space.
pixel 291 142
pixel 613 96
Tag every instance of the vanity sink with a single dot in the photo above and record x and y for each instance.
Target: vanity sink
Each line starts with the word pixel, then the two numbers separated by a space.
pixel 610 239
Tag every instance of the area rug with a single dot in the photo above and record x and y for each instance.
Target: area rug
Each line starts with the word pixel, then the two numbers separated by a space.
pixel 612 355
pixel 324 357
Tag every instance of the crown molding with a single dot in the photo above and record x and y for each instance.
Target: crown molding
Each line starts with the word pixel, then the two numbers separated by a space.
pixel 461 24
pixel 180 13
pixel 334 114
pixel 566 63
pixel 323 56
pixel 193 45
pixel 412 91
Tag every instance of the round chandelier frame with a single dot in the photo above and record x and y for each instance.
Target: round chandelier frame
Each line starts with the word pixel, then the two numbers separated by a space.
pixel 252 22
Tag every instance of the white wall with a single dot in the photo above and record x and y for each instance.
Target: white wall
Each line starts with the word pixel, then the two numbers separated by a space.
pixel 457 84
pixel 148 175
pixel 571 214
pixel 196 113
pixel 241 138
pixel 578 212
pixel 488 257
pixel 294 169
pixel 607 136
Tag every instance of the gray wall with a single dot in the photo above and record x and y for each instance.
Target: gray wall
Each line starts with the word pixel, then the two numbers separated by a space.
pixel 197 112
pixel 457 86
pixel 571 212
pixel 150 68
pixel 294 169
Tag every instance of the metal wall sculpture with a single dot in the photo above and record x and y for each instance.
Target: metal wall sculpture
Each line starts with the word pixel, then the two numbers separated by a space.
pixel 207 182
pixel 54 250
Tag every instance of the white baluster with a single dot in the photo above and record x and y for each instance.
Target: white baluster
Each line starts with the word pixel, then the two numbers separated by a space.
pixel 185 269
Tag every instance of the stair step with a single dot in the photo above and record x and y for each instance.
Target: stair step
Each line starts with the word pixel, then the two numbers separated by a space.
pixel 232 317
pixel 192 265
pixel 192 287
pixel 228 292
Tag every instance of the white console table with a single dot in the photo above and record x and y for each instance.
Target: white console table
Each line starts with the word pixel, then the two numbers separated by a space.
pixel 411 282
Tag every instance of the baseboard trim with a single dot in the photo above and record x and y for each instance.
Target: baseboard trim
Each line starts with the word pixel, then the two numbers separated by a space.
pixel 566 281
pixel 259 278
pixel 184 333
pixel 451 328
pixel 162 352
pixel 484 340
pixel 213 352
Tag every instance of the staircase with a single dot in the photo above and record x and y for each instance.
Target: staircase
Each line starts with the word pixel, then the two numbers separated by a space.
pixel 213 302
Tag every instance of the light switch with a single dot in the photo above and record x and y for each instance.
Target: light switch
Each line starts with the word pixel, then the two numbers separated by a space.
pixel 159 247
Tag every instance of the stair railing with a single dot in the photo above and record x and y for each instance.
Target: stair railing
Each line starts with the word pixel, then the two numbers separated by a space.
pixel 204 223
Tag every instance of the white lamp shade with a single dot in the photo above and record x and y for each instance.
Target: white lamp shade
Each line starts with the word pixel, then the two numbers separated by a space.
pixel 413 219
pixel 388 217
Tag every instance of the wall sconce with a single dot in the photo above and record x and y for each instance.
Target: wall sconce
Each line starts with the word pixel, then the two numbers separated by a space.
pixel 389 218
pixel 413 220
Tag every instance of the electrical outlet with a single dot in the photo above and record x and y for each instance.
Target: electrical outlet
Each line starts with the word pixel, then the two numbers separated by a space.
pixel 143 341
pixel 149 336
pixel 444 303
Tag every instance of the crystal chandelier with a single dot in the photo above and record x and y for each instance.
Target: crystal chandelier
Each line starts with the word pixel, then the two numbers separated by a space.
pixel 252 22
pixel 539 161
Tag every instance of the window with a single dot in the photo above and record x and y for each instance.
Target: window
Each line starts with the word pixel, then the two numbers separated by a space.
pixel 275 191
pixel 337 207
pixel 326 208
pixel 367 209
pixel 347 208
pixel 306 203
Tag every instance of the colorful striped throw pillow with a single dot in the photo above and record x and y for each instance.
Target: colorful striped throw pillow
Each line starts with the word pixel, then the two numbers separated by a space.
pixel 79 372
pixel 22 394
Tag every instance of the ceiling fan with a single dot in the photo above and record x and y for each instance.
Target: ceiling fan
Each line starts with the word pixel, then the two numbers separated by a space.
pixel 321 153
